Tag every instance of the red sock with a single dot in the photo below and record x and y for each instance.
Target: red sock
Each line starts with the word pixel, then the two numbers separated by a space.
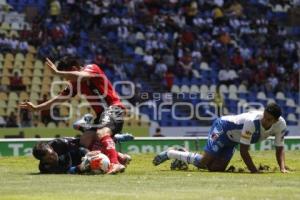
pixel 108 148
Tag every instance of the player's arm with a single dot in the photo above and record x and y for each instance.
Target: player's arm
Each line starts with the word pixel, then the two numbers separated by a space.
pixel 280 156
pixel 44 106
pixel 245 141
pixel 69 75
pixel 244 150
pixel 279 143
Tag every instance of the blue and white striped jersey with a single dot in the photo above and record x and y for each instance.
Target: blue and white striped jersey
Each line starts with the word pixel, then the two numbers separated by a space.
pixel 246 128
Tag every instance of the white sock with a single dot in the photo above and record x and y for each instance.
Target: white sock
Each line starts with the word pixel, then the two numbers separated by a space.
pixel 187 157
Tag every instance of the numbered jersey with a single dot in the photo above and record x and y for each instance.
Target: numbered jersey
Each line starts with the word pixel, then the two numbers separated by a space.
pixel 246 128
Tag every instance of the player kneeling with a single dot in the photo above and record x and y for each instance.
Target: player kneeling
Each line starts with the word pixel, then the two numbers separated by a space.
pixel 94 162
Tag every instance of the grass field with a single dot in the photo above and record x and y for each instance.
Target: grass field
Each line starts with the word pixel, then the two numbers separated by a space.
pixel 19 179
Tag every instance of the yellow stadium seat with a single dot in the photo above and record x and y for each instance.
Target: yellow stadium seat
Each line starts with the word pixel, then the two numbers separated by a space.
pixel 3 96
pixel 19 64
pixel 47 81
pixel 2 111
pixel 20 57
pixel 29 57
pixel 23 96
pixel 1 57
pixel 48 73
pixel 34 96
pixel 5 81
pixel 28 64
pixel 13 33
pixel 51 125
pixel 35 88
pixel 6 72
pixel 3 104
pixel 26 80
pixel 12 104
pixel 37 72
pixel 38 64
pixel 31 49
pixel 41 124
pixel 9 56
pixel 13 96
pixel 8 64
pixel 5 26
pixel 27 72
pixel 62 125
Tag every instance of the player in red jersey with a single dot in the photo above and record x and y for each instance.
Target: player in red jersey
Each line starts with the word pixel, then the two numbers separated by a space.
pixel 90 81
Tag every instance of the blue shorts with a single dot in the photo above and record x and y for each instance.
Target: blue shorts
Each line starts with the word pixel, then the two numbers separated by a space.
pixel 218 144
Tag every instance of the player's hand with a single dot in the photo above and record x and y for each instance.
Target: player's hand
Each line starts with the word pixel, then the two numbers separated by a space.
pixel 51 65
pixel 28 105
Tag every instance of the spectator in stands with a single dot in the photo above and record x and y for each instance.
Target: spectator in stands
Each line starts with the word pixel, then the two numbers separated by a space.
pixel 16 82
pixel 158 133
pixel 45 116
pixel 55 9
pixel 11 120
pixel 25 118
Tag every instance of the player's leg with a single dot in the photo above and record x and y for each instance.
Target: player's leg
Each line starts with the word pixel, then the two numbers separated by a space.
pixel 221 162
pixel 112 122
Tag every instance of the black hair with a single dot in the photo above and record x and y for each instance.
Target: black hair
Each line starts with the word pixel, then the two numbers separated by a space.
pixel 39 150
pixel 67 62
pixel 274 109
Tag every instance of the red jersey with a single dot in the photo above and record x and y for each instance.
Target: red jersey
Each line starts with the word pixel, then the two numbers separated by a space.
pixel 98 90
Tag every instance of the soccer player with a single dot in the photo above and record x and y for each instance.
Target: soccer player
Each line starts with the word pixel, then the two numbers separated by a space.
pixel 229 131
pixel 58 155
pixel 91 81
pixel 64 155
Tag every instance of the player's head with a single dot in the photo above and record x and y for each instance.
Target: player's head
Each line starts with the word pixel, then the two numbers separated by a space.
pixel 271 115
pixel 68 63
pixel 44 152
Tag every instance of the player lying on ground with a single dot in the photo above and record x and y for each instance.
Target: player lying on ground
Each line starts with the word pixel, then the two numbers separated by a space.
pixel 90 81
pixel 60 155
pixel 229 131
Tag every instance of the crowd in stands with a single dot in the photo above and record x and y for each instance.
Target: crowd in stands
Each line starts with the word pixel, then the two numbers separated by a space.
pixel 170 42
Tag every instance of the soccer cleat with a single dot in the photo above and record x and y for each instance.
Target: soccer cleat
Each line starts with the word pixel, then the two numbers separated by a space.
pixel 160 158
pixel 116 168
pixel 124 159
pixel 123 137
pixel 179 165
pixel 83 123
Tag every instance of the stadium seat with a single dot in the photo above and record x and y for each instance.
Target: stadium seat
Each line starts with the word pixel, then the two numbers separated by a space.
pixel 5 26
pixel 184 89
pixel 175 89
pixel 38 64
pixel 203 89
pixel 1 57
pixel 29 57
pixel 194 89
pixel 3 104
pixel 223 88
pixel 242 89
pixel 261 96
pixel 3 96
pixel 233 96
pixel 19 57
pixel 2 111
pixel 27 72
pixel 292 120
pixel 8 64
pixel 280 96
pixel 290 102
pixel 37 72
pixel 51 125
pixel 23 96
pixel 13 33
pixel 13 96
pixel 213 88
pixel 232 89
pixel 26 80
pixel 5 81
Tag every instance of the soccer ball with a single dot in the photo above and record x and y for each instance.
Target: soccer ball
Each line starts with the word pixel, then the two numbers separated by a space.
pixel 95 162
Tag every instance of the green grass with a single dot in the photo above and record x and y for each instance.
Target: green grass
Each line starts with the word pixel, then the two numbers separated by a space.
pixel 19 179
pixel 138 131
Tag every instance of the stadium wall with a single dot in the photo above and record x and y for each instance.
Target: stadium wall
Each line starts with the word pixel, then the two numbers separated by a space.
pixel 23 147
